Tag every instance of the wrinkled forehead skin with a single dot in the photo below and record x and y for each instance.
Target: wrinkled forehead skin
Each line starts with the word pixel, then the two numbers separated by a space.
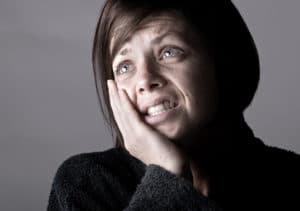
pixel 160 23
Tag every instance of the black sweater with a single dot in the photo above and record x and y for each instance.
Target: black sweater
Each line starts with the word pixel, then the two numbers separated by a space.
pixel 251 176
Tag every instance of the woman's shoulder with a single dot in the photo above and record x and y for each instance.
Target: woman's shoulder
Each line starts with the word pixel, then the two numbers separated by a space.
pixel 89 159
pixel 84 167
pixel 271 153
pixel 93 158
pixel 282 162
pixel 82 178
pixel 282 155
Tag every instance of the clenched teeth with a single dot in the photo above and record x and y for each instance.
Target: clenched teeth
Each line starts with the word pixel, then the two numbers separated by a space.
pixel 162 107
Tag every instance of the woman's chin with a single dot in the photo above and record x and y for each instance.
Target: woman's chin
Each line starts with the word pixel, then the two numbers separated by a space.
pixel 173 132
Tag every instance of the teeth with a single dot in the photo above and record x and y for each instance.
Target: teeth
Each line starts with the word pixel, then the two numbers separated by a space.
pixel 166 104
pixel 162 107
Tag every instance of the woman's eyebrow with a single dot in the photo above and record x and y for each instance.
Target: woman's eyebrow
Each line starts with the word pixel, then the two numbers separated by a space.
pixel 166 34
pixel 155 41
pixel 125 51
pixel 122 52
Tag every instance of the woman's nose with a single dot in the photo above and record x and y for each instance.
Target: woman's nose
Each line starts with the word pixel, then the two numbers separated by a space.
pixel 149 79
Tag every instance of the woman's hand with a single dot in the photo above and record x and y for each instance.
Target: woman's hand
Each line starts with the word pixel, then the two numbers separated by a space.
pixel 141 140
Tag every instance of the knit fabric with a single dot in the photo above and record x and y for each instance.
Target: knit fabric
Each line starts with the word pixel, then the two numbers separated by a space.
pixel 251 177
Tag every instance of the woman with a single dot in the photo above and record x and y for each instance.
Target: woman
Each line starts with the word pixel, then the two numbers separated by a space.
pixel 176 79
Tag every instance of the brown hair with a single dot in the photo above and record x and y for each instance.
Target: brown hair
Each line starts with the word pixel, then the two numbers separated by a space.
pixel 234 51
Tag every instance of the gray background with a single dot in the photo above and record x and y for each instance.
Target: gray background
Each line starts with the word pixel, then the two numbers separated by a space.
pixel 48 104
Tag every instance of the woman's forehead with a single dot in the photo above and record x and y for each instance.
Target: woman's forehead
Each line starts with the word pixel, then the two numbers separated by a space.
pixel 156 25
pixel 162 22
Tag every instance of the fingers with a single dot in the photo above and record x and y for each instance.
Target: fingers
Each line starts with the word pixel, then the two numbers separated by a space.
pixel 124 111
pixel 115 103
pixel 130 111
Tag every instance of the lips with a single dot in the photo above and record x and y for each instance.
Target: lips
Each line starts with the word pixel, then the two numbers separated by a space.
pixel 159 108
pixel 157 105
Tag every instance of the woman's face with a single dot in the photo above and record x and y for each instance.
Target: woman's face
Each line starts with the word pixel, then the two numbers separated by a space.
pixel 168 76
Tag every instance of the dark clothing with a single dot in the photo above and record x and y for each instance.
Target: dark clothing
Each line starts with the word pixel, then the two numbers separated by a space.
pixel 248 176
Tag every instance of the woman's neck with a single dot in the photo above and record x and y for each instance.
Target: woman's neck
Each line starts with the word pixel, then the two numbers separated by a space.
pixel 209 148
pixel 218 135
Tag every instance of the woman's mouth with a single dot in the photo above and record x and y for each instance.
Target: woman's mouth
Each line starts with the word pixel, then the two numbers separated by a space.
pixel 160 108
pixel 161 112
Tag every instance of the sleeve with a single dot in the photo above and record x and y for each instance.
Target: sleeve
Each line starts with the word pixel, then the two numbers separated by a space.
pixel 158 189
pixel 162 190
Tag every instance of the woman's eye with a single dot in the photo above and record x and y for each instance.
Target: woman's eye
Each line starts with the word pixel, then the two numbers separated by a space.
pixel 122 68
pixel 171 52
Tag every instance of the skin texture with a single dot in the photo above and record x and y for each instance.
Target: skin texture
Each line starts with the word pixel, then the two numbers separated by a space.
pixel 159 62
